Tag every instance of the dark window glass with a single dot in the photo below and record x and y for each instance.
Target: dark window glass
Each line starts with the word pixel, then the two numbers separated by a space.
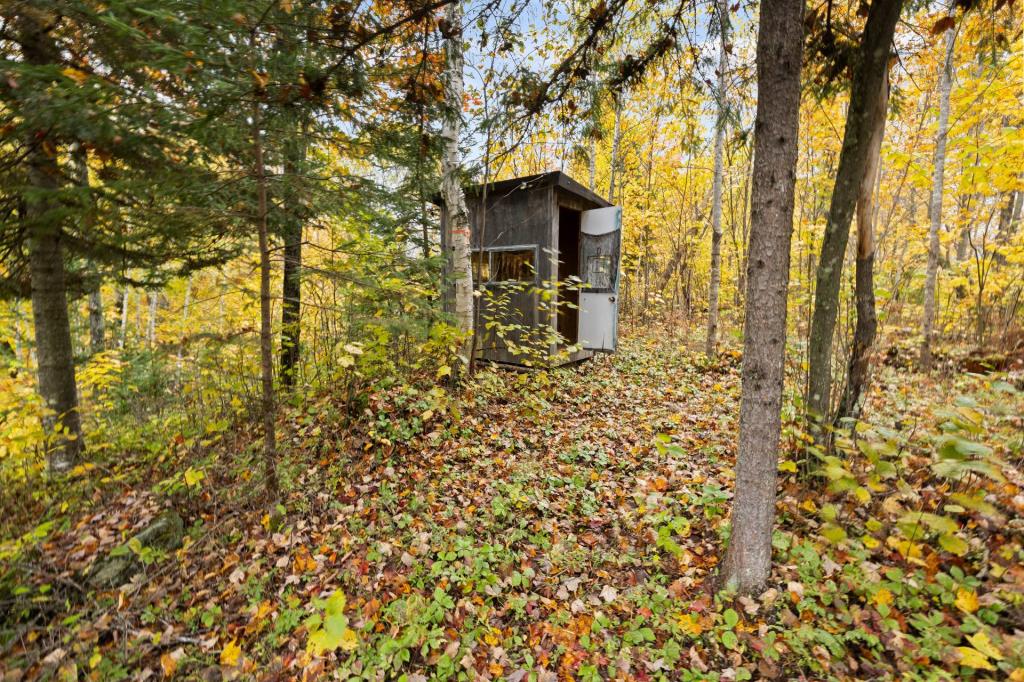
pixel 512 266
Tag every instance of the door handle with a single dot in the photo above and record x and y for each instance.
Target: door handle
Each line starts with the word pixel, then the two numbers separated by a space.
pixel 612 299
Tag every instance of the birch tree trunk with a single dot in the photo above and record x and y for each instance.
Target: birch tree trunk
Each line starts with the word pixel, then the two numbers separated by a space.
pixel 124 316
pixel 747 561
pixel 456 213
pixel 860 123
pixel 592 164
pixel 716 186
pixel 935 204
pixel 97 326
pixel 864 281
pixel 154 298
pixel 56 368
pixel 616 141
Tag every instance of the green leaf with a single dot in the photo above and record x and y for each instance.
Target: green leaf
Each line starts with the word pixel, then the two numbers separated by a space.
pixel 954 447
pixel 335 603
pixel 953 544
pixel 974 502
pixel 731 618
pixel 730 640
pixel 833 533
pixel 194 477
pixel 335 624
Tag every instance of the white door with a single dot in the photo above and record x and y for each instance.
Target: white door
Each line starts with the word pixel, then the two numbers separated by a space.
pixel 600 249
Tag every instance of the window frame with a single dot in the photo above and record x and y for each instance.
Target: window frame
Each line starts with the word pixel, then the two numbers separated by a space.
pixel 491 250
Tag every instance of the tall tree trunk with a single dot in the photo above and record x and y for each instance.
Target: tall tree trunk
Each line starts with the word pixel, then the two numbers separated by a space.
pixel 860 123
pixel 54 354
pixel 592 164
pixel 935 204
pixel 456 213
pixel 716 186
pixel 613 165
pixel 291 280
pixel 97 327
pixel 154 299
pixel 747 561
pixel 1009 214
pixel 864 283
pixel 266 333
pixel 125 296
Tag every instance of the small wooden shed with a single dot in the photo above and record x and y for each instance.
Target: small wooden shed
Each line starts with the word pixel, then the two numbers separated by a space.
pixel 527 235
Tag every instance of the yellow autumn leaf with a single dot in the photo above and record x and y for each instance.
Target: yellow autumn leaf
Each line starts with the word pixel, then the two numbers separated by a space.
pixel 169 665
pixel 690 624
pixel 981 642
pixel 76 75
pixel 231 653
pixel 973 658
pixel 261 78
pixel 1017 675
pixel 882 597
pixel 966 600
pixel 911 550
pixel 349 639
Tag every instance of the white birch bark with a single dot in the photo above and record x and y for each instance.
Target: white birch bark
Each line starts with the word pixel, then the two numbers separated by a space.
pixel 616 141
pixel 124 317
pixel 716 186
pixel 151 323
pixel 593 164
pixel 935 204
pixel 457 215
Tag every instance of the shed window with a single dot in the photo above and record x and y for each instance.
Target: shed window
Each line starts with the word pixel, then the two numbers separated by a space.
pixel 600 254
pixel 599 272
pixel 512 265
pixel 481 266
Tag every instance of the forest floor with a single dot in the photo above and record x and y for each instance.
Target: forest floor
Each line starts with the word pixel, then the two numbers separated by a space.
pixel 548 526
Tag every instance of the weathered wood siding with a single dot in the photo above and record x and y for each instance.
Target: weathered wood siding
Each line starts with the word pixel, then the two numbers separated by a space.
pixel 515 219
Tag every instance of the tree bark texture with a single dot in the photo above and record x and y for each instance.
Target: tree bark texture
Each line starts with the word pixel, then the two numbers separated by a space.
pixel 864 280
pixel 54 355
pixel 592 164
pixel 935 204
pixel 291 279
pixel 125 300
pixel 97 326
pixel 747 561
pixel 860 123
pixel 716 185
pixel 456 213
pixel 613 163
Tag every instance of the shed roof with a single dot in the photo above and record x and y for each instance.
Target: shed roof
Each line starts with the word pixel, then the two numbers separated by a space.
pixel 532 182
